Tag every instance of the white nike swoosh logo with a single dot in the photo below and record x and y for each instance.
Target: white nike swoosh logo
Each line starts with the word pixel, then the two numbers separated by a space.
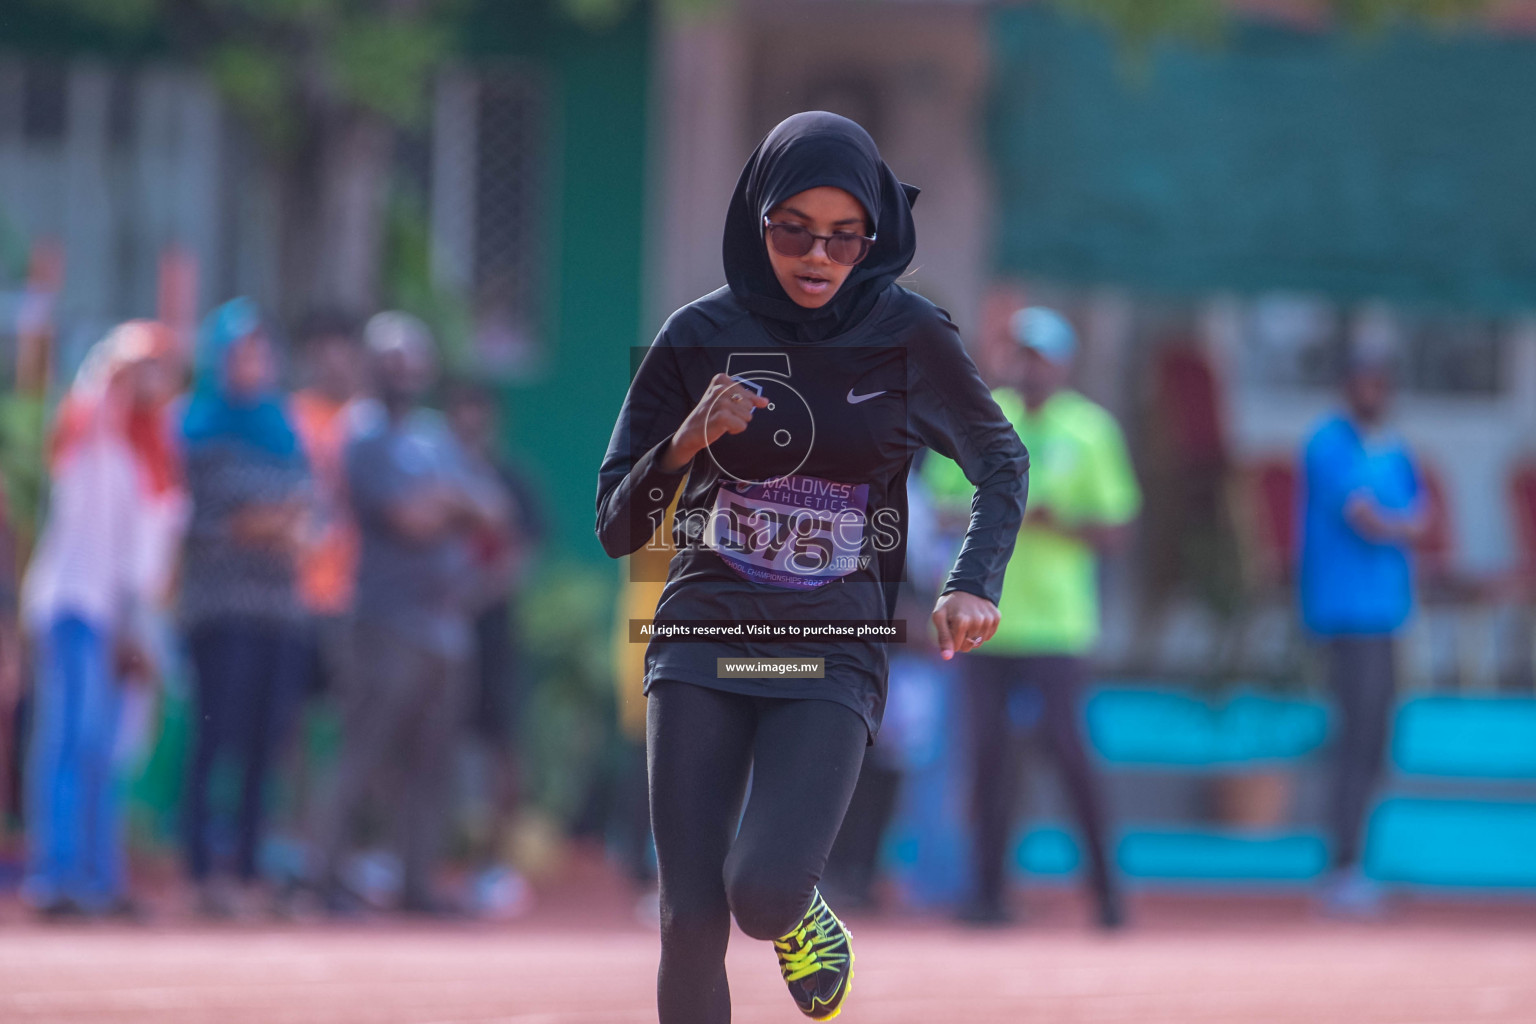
pixel 854 399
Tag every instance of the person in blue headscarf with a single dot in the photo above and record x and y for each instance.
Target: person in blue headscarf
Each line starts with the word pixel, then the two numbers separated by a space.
pixel 235 395
pixel 249 486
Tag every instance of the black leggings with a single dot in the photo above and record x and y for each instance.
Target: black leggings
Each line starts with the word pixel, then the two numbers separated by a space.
pixel 803 757
pixel 250 685
pixel 1362 672
pixel 996 762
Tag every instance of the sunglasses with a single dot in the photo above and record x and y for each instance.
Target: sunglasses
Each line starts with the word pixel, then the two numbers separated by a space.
pixel 844 247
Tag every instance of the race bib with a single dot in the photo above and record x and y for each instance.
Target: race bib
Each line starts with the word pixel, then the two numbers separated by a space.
pixel 799 532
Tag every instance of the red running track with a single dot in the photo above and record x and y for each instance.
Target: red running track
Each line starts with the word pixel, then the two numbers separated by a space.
pixel 582 959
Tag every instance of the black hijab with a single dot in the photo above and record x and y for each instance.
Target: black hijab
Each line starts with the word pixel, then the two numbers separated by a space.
pixel 806 151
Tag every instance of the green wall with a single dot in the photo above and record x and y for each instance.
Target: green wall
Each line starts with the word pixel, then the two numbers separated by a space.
pixel 558 424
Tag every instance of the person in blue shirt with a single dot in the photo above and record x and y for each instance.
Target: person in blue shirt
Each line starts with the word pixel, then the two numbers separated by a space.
pixel 1362 511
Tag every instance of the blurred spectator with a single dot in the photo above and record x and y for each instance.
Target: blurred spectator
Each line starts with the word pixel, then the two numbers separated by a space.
pixel 501 559
pixel 10 663
pixel 643 574
pixel 1082 495
pixel 419 503
pixel 1362 511
pixel 333 361
pixel 154 430
pixel 155 439
pixel 85 599
pixel 853 865
pixel 911 724
pixel 249 485
pixel 333 377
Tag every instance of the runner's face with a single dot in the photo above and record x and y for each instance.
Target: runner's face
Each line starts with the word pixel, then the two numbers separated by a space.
pixel 812 280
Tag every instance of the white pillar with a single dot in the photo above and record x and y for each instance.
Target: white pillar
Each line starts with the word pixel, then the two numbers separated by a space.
pixel 702 80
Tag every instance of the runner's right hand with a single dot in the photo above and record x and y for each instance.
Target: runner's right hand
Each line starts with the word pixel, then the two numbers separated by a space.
pixel 963 622
pixel 726 408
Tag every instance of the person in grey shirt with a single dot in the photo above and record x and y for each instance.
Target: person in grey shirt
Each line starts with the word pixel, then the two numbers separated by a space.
pixel 418 502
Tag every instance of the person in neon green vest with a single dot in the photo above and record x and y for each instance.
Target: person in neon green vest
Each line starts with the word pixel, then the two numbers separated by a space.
pixel 1083 496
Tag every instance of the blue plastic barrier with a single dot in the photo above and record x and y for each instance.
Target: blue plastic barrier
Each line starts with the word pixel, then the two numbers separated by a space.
pixel 1453 843
pixel 1151 727
pixel 1467 737
pixel 1463 841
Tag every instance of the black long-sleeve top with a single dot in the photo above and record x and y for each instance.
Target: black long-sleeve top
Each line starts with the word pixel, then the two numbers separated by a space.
pixel 803 516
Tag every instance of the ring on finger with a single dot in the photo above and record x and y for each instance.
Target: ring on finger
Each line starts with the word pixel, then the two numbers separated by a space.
pixel 977 639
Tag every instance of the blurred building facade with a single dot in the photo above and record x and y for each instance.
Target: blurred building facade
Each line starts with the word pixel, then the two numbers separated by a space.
pixel 118 168
pixel 1228 217
pixel 560 163
pixel 1270 200
pixel 1224 222
pixel 515 216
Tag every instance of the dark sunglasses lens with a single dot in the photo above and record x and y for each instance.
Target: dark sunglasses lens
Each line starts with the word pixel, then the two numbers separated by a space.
pixel 790 239
pixel 847 249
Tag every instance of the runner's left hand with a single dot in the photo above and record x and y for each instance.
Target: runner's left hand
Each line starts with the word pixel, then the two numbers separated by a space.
pixel 963 622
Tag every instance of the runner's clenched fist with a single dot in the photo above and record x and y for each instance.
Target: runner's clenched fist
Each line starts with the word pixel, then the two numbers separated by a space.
pixel 726 408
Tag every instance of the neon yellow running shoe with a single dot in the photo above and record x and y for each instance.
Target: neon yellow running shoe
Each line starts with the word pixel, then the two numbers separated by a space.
pixel 817 961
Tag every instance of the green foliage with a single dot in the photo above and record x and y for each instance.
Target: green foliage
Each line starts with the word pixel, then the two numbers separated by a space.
pixel 257 88
pixel 158 784
pixel 286 11
pixel 13 251
pixel 23 434
pixel 570 721
pixel 280 62
pixel 129 16
pixel 385 66
pixel 408 281
pixel 1140 21
pixel 693 8
pixel 1374 14
pixel 1136 22
pixel 597 14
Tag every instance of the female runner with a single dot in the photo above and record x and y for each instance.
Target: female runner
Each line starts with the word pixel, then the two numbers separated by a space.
pixel 792 401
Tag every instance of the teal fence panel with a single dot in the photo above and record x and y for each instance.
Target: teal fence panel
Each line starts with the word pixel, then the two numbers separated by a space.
pixel 1395 164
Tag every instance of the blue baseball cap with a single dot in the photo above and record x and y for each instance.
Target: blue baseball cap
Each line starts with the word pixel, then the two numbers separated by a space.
pixel 1046 331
